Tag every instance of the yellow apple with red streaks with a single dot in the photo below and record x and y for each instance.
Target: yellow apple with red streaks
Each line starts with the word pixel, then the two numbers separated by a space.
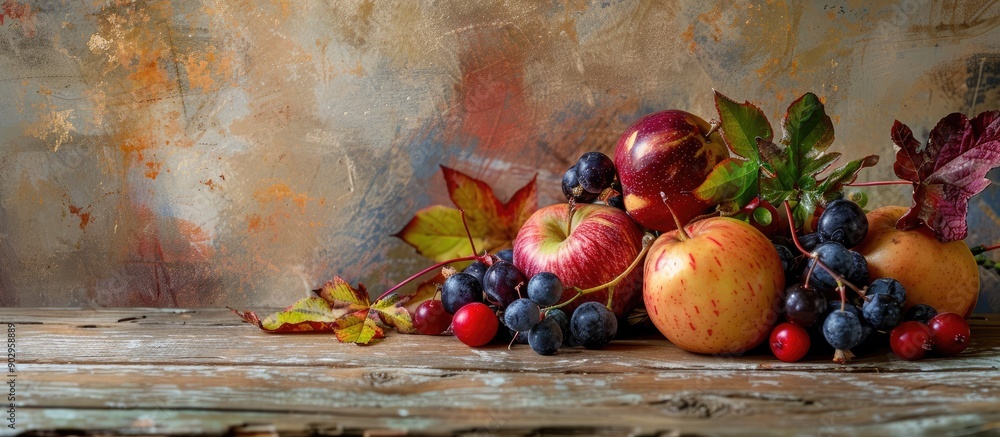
pixel 714 288
pixel 942 275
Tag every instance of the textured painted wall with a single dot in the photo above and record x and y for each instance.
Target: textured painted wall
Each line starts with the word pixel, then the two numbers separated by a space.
pixel 159 153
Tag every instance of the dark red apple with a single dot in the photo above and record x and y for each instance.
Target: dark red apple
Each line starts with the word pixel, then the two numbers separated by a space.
pixel 670 152
pixel 587 248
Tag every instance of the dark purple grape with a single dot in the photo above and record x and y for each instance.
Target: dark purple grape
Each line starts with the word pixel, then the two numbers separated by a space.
pixel 521 315
pixel 562 319
pixel 888 286
pixel 616 201
pixel 501 282
pixel 787 259
pixel 595 171
pixel 922 313
pixel 546 337
pixel 833 306
pixel 506 255
pixel 460 290
pixel 843 222
pixel 809 241
pixel 843 330
pixel 593 325
pixel 545 289
pixel 882 312
pixel 803 306
pixel 859 270
pixel 836 258
pixel 569 182
pixel 477 270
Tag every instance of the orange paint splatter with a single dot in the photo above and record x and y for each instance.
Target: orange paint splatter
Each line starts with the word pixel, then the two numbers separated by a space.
pixel 153 169
pixel 84 216
pixel 688 37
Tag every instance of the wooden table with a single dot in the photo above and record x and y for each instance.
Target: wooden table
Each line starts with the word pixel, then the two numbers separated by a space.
pixel 161 371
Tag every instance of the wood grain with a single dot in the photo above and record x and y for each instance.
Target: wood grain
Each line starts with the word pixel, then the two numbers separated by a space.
pixel 204 371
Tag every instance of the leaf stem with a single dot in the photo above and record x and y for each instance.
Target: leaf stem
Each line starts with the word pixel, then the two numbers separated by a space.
pixel 428 270
pixel 877 183
pixel 467 231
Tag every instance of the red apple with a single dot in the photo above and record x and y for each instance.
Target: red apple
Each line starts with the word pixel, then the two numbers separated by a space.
pixel 667 151
pixel 942 275
pixel 587 248
pixel 715 290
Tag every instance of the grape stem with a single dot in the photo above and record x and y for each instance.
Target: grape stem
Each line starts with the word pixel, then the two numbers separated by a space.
pixel 982 248
pixel 610 285
pixel 841 281
pixel 481 258
pixel 877 183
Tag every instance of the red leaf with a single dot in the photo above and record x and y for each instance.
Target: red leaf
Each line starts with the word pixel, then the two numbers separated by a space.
pixel 948 171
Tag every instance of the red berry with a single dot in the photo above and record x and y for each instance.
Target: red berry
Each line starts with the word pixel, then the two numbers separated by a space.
pixel 475 324
pixel 911 340
pixel 951 333
pixel 430 318
pixel 789 342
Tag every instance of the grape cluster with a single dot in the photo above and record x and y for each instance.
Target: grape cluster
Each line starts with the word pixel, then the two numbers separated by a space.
pixel 814 310
pixel 592 176
pixel 481 299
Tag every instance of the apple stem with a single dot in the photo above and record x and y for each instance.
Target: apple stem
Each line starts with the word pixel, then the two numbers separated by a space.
pixel 481 258
pixel 713 126
pixel 982 248
pixel 877 183
pixel 836 276
pixel 467 231
pixel 646 243
pixel 682 234
pixel 570 212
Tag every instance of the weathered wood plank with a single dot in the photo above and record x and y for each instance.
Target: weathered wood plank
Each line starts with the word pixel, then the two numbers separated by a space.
pixel 202 372
pixel 442 400
pixel 197 342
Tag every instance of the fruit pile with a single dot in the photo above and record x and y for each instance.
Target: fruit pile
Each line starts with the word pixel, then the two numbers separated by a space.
pixel 721 236
pixel 697 234
pixel 816 304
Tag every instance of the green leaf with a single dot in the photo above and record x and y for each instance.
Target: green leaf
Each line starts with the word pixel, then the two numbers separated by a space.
pixel 846 173
pixel 437 232
pixel 359 328
pixel 741 124
pixel 392 312
pixel 807 130
pixel 340 294
pixel 820 163
pixel 729 180
pixel 308 314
